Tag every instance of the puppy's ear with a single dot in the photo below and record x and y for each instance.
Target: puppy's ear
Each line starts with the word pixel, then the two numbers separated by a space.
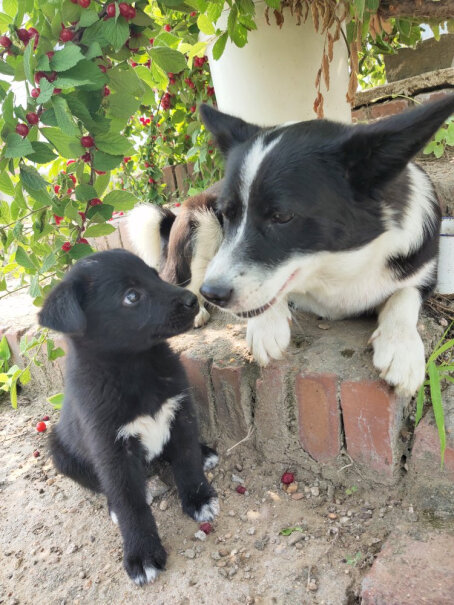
pixel 62 311
pixel 227 130
pixel 374 154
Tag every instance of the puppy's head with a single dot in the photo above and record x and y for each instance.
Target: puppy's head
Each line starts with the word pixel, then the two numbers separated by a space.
pixel 295 192
pixel 114 302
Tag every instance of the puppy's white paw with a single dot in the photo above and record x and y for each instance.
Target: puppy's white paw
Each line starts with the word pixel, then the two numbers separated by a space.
pixel 210 462
pixel 399 356
pixel 148 576
pixel 113 517
pixel 208 511
pixel 268 335
pixel 201 318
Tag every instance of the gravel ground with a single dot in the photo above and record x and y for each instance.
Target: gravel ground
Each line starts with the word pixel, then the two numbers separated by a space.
pixel 58 544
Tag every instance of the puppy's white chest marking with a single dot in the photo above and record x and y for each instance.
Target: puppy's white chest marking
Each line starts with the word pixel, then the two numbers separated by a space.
pixel 153 431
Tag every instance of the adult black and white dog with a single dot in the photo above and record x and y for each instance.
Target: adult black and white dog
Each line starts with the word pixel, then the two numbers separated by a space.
pixel 334 218
pixel 127 399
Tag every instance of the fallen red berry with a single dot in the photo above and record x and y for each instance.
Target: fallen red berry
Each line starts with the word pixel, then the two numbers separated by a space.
pixel 87 141
pixel 66 35
pixel 95 202
pixel 5 41
pixel 41 426
pixel 287 478
pixel 35 93
pixel 241 489
pixel 206 527
pixel 32 117
pixel 36 454
pixel 22 129
pixel 45 418
pixel 177 204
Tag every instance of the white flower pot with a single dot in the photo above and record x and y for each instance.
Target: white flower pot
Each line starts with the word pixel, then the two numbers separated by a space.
pixel 445 283
pixel 271 80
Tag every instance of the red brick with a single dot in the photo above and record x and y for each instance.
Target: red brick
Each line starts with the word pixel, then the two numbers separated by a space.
pixel 412 571
pixel 360 115
pixel 425 457
pixel 425 97
pixel 197 371
pixel 319 415
pixel 389 108
pixel 232 396
pixel 270 413
pixel 372 420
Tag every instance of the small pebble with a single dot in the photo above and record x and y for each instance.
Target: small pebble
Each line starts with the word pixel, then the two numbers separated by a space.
pixel 232 513
pixel 332 516
pixel 200 535
pixel 251 531
pixel 315 491
pixel 292 488
pixel 312 585
pixel 298 496
pixel 189 553
pixel 237 479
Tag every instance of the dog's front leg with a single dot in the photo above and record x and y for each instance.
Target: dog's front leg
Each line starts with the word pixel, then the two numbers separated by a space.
pixel 198 498
pixel 398 348
pixel 268 334
pixel 123 481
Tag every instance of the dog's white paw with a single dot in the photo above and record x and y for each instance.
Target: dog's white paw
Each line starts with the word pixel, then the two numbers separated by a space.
pixel 147 576
pixel 113 517
pixel 210 462
pixel 268 335
pixel 399 356
pixel 201 318
pixel 208 511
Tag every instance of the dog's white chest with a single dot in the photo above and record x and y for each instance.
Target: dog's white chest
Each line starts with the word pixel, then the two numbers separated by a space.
pixel 153 431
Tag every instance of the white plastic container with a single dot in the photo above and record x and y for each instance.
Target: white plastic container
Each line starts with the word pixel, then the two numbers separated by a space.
pixel 445 283
pixel 271 80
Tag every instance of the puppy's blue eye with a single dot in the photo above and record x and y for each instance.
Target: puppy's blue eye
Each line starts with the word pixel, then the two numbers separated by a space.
pixel 131 297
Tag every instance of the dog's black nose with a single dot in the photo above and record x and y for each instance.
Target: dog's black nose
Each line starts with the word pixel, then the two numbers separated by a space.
pixel 190 300
pixel 217 294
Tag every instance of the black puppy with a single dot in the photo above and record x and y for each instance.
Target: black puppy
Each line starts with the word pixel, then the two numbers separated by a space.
pixel 126 398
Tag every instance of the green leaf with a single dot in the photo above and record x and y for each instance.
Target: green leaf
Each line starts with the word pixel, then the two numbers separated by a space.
pixel 205 25
pixel 42 153
pixel 6 184
pixel 167 39
pixel 121 200
pixel 273 3
pixel 435 395
pixel 85 193
pixel 5 21
pixel 10 7
pixel 24 260
pixel 88 17
pixel 114 144
pixel 287 531
pixel 116 32
pixel 31 179
pixel 16 146
pixel 67 57
pixel 419 405
pixel 67 146
pixel 28 60
pixel 93 51
pixel 47 90
pixel 99 230
pixel 122 106
pixel 125 80
pixel 25 376
pixel 5 353
pixel 63 116
pixel 56 400
pixel 105 161
pixel 6 69
pixel 85 74
pixel 169 59
pixel 219 46
pixel 43 63
pixel 439 350
pixel 80 251
pixel 48 262
pixel 102 180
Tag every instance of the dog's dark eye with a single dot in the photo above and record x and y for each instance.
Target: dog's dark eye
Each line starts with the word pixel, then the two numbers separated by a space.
pixel 282 217
pixel 131 297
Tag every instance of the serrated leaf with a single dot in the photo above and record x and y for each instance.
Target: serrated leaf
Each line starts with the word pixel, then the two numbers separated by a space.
pixel 47 90
pixel 114 144
pixel 219 46
pixel 167 39
pixel 25 376
pixel 28 60
pixel 17 147
pixel 105 161
pixel 80 251
pixel 31 179
pixel 24 260
pixel 125 80
pixel 84 193
pixel 205 25
pixel 88 17
pixel 121 200
pixel 43 63
pixel 93 51
pixel 34 289
pixel 6 185
pixel 169 59
pixel 63 116
pixel 10 7
pixel 116 32
pixel 48 262
pixel 102 180
pixel 42 153
pixel 85 74
pixel 99 230
pixel 6 69
pixel 66 58
pixel 67 146
pixel 122 106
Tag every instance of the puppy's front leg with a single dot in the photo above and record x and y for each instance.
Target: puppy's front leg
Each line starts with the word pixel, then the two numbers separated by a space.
pixel 123 481
pixel 198 498
pixel 268 334
pixel 398 348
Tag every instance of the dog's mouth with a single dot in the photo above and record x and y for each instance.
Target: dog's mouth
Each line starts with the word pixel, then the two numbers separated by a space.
pixel 269 304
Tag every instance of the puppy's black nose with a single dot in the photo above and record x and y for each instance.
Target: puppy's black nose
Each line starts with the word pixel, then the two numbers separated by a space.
pixel 190 300
pixel 217 294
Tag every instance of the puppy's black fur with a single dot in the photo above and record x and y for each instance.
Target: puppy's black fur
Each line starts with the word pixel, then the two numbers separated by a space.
pixel 117 313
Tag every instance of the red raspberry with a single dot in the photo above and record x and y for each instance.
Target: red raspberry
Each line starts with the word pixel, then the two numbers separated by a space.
pixel 95 202
pixel 206 527
pixel 134 64
pixel 193 108
pixel 69 191
pixel 126 10
pixel 241 489
pixel 106 91
pixel 86 157
pixel 41 426
pixel 36 454
pixel 151 181
pixel 151 41
pixel 66 247
pixel 84 3
pixel 210 91
pixel 73 178
pixel 287 478
pixel 110 10
pixel 167 28
pixel 147 165
pixel 35 93
pixel 5 41
pixel 193 14
pixel 87 141
pixel 66 34
pixel 126 160
pixel 58 219
pixel 24 35
pixel 22 129
pixel 32 117
pixel 103 68
pixel 57 189
pixel 39 75
pixel 45 418
pixel 82 240
pixel 132 13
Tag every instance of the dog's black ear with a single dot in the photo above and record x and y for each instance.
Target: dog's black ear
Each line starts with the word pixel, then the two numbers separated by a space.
pixel 62 311
pixel 374 154
pixel 227 130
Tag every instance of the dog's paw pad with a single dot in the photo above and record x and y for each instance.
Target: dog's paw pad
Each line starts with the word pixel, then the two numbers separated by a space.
pixel 147 576
pixel 210 462
pixel 201 318
pixel 208 511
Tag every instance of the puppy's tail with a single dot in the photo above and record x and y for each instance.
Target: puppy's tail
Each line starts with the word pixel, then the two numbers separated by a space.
pixel 149 229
